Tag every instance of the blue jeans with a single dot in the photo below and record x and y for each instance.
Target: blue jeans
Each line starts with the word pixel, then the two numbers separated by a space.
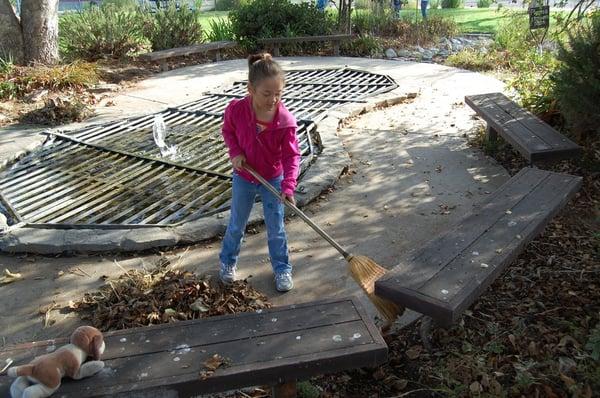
pixel 244 193
pixel 424 8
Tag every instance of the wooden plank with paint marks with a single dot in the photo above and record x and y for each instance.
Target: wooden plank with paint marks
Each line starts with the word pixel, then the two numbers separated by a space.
pixel 447 275
pixel 528 134
pixel 275 346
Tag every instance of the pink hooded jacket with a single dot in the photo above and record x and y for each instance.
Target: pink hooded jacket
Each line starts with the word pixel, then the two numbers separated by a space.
pixel 272 152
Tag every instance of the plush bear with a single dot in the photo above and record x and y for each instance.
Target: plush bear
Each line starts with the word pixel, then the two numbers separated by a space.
pixel 42 376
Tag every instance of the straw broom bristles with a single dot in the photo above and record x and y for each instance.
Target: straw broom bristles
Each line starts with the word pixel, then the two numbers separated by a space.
pixel 365 272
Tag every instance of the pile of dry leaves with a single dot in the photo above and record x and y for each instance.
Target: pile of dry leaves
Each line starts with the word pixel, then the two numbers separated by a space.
pixel 163 295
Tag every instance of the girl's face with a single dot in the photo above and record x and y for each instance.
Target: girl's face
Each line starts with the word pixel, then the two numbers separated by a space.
pixel 267 93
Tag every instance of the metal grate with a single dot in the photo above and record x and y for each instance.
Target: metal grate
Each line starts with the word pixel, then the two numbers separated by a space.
pixel 113 175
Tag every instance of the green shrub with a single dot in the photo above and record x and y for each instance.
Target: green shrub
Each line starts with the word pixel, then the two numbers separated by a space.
pixel 172 27
pixel 362 46
pixel 226 5
pixel 435 4
pixel 98 32
pixel 7 64
pixel 577 81
pixel 477 60
pixel 370 22
pixel 484 3
pixel 452 3
pixel 273 18
pixel 131 5
pixel 8 90
pixel 513 32
pixel 219 29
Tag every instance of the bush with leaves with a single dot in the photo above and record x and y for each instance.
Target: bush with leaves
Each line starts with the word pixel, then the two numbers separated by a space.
pixel 226 5
pixel 362 46
pixel 577 81
pixel 219 29
pixel 106 31
pixel 173 27
pixel 452 3
pixel 275 18
pixel 484 3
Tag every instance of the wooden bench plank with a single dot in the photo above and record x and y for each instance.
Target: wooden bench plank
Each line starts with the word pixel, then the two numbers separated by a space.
pixel 448 274
pixel 188 50
pixel 300 39
pixel 529 135
pixel 449 245
pixel 275 346
pixel 277 41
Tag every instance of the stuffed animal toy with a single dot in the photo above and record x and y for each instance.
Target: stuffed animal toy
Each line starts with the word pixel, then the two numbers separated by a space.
pixel 42 376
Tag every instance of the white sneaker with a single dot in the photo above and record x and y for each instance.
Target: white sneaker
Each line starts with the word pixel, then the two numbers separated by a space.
pixel 227 274
pixel 284 282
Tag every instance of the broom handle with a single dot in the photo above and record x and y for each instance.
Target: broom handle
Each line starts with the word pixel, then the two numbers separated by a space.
pixel 299 212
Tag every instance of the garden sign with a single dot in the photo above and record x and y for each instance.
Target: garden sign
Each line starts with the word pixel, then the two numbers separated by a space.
pixel 539 17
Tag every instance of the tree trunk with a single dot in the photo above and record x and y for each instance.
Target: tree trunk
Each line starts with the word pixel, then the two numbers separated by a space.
pixel 39 21
pixel 11 36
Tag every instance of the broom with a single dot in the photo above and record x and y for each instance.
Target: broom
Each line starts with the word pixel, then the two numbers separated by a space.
pixel 364 270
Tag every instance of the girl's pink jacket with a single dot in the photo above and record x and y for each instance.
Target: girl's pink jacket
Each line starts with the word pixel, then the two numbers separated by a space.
pixel 272 152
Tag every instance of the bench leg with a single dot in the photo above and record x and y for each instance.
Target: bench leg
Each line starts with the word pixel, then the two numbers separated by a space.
pixel 336 48
pixel 276 50
pixel 285 390
pixel 218 56
pixel 163 66
pixel 491 134
pixel 425 332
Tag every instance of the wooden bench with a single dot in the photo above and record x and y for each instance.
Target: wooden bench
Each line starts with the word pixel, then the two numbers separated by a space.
pixel 276 42
pixel 529 135
pixel 162 56
pixel 275 347
pixel 443 278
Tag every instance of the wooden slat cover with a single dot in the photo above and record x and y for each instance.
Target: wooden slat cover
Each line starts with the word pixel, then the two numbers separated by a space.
pixel 280 344
pixel 528 134
pixel 446 276
pixel 181 51
pixel 298 39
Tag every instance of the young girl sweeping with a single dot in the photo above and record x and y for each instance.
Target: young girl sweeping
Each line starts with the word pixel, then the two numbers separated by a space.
pixel 261 133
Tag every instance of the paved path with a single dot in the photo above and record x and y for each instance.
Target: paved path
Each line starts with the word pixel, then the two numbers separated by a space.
pixel 412 176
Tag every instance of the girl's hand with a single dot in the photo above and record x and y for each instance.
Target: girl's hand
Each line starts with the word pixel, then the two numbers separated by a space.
pixel 289 198
pixel 238 162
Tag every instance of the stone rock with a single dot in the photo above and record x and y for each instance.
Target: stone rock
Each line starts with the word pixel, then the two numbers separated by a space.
pixel 405 53
pixel 104 88
pixel 36 95
pixel 390 53
pixel 427 55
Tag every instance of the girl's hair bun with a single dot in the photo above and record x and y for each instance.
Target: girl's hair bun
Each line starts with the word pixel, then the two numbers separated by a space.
pixel 254 58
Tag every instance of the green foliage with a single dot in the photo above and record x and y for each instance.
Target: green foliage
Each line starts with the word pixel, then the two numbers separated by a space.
pixel 307 390
pixel 219 29
pixel 362 46
pixel 131 5
pixel 275 18
pixel 173 27
pixel 107 31
pixel 435 4
pixel 20 81
pixel 452 3
pixel 484 3
pixel 8 90
pixel 405 30
pixel 477 60
pixel 577 81
pixel 532 69
pixel 226 5
pixel 7 64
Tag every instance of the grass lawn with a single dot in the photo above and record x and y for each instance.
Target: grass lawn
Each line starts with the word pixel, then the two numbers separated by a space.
pixel 473 20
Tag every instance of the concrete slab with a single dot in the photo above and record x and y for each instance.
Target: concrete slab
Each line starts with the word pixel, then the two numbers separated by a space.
pixel 412 175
